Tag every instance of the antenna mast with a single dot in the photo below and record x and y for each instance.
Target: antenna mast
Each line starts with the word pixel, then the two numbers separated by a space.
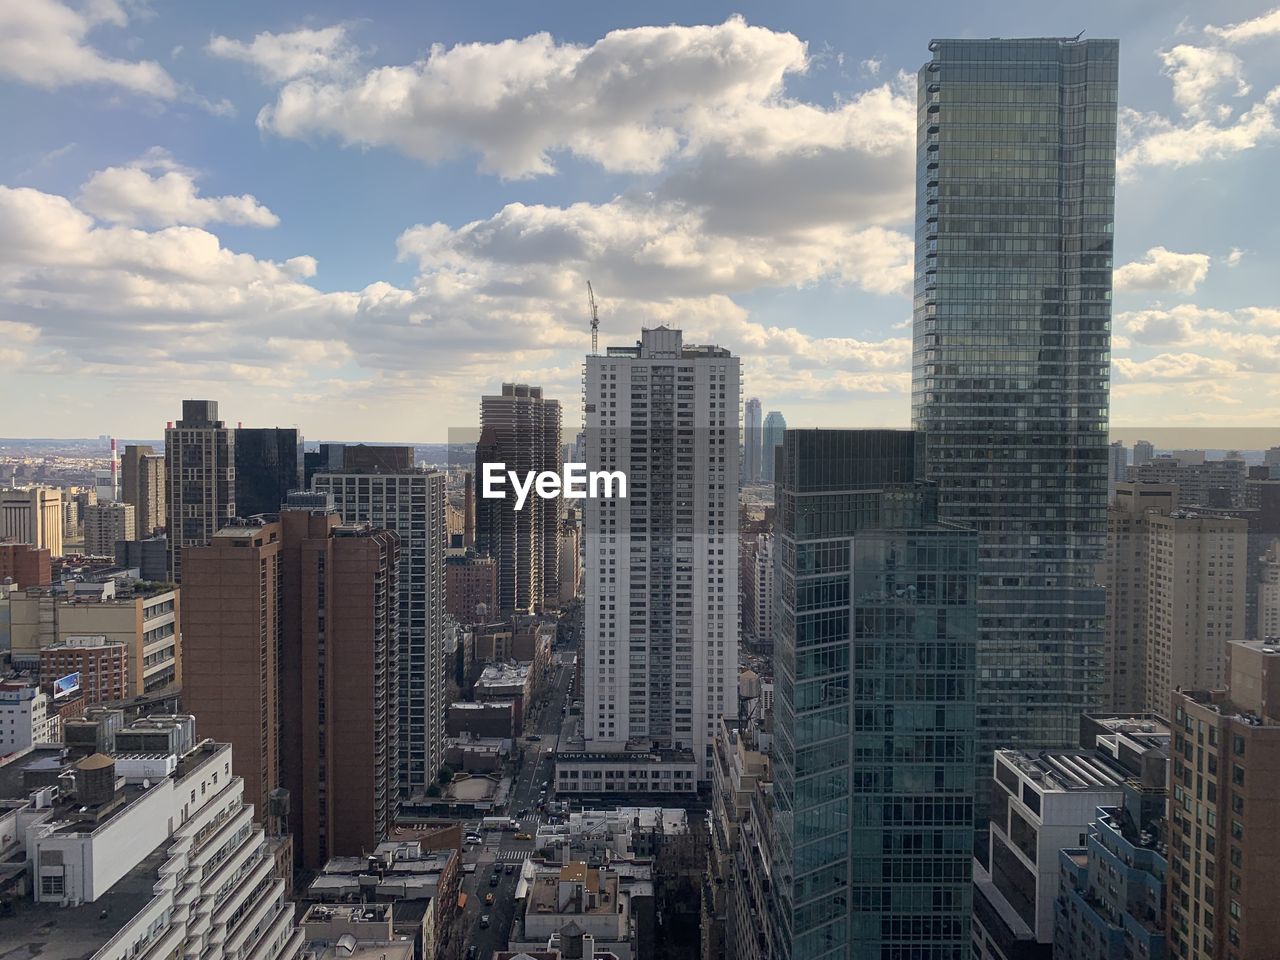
pixel 595 320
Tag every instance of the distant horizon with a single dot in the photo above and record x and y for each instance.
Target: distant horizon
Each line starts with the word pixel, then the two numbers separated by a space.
pixel 1223 439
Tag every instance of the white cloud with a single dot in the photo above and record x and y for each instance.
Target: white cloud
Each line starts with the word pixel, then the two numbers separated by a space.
pixel 1164 270
pixel 1265 25
pixel 285 56
pixel 1173 367
pixel 1234 257
pixel 1199 73
pixel 1185 323
pixel 43 43
pixel 174 305
pixel 630 102
pixel 1151 140
pixel 133 195
pixel 653 250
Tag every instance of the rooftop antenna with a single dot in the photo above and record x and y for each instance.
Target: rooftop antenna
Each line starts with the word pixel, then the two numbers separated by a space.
pixel 595 320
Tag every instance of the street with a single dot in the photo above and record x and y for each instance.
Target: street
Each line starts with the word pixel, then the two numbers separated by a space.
pixel 500 848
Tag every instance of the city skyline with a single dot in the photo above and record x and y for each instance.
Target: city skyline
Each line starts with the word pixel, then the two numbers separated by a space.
pixel 447 256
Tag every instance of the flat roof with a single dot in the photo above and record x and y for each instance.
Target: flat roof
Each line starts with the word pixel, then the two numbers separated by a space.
pixel 42 757
pixel 1066 770
pixel 53 932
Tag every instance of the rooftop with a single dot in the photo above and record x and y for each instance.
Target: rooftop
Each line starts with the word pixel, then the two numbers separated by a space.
pixel 51 932
pixel 503 674
pixel 1061 771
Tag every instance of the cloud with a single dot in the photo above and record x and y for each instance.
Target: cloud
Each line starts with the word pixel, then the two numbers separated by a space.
pixel 1172 367
pixel 1199 73
pixel 1153 141
pixel 1265 25
pixel 1184 323
pixel 1165 271
pixel 173 305
pixel 133 195
pixel 281 57
pixel 43 43
pixel 634 248
pixel 1234 257
pixel 631 102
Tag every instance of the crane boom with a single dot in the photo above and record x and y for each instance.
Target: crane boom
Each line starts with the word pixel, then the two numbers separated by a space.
pixel 595 319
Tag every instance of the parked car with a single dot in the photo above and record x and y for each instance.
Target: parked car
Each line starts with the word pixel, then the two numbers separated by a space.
pixel 484 921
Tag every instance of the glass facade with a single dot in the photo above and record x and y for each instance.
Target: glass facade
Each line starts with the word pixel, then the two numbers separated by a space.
pixel 1011 353
pixel 268 466
pixel 874 658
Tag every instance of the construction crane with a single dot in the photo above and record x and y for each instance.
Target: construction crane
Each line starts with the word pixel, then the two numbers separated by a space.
pixel 595 320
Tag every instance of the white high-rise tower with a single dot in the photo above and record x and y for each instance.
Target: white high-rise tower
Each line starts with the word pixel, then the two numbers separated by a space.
pixel 662 565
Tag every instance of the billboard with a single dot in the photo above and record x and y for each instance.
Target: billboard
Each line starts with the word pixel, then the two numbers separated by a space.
pixel 64 686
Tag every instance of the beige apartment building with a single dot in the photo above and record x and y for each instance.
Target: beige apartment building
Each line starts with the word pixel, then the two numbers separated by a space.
pixel 32 515
pixel 1126 575
pixel 104 524
pixel 146 620
pixel 142 484
pixel 1197 568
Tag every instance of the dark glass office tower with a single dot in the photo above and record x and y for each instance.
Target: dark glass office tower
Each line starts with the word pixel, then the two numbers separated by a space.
pixel 873 753
pixel 1014 219
pixel 268 466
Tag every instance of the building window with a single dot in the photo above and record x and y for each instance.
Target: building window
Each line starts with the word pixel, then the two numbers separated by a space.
pixel 51 885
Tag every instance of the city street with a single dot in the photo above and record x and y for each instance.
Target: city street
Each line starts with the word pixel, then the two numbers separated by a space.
pixel 501 849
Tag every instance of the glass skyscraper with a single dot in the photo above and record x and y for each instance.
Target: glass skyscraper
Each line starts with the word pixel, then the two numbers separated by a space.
pixel 1015 195
pixel 873 753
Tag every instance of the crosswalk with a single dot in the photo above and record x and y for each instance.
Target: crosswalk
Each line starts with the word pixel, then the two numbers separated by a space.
pixel 512 856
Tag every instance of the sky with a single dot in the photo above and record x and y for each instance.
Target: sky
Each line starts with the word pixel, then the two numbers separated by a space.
pixel 358 218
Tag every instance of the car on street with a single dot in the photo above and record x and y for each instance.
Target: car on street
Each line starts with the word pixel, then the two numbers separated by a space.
pixel 488 899
pixel 534 738
pixel 484 921
pixel 472 952
pixel 493 880
pixel 524 836
pixel 474 838
pixel 511 868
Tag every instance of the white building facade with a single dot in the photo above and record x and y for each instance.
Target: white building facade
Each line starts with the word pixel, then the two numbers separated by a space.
pixel 25 719
pixel 662 564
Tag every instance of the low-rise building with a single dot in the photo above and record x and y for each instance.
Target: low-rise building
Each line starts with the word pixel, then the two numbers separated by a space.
pixel 27 717
pixel 363 931
pixel 619 833
pixel 627 772
pixel 101 668
pixel 25 565
pixel 575 902
pixel 506 682
pixel 144 616
pixel 494 718
pixel 419 886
